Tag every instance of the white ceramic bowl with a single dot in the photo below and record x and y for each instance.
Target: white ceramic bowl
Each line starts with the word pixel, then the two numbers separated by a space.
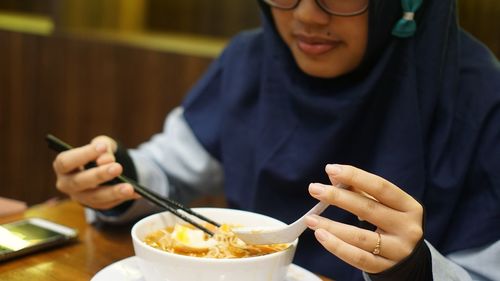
pixel 158 265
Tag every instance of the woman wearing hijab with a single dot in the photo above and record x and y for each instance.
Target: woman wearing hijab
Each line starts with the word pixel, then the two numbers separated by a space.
pixel 411 111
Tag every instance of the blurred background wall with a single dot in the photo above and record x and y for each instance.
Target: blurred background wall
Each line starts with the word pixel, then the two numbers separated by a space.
pixel 80 68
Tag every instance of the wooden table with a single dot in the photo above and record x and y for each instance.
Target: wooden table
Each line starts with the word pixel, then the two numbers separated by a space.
pixel 97 247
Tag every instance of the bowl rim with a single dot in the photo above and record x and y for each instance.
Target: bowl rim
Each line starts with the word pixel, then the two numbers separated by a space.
pixel 292 246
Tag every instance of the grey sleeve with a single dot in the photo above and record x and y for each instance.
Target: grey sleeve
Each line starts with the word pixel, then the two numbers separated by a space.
pixel 481 264
pixel 172 163
pixel 175 164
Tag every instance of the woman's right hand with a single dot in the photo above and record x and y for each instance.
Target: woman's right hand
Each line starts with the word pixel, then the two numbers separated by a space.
pixel 84 185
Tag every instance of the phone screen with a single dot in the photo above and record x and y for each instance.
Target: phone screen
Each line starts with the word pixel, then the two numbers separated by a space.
pixel 29 235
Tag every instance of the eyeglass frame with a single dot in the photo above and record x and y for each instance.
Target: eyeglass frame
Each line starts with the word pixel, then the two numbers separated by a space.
pixel 322 6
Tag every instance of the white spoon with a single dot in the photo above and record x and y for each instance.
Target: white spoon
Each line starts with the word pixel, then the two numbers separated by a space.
pixel 255 235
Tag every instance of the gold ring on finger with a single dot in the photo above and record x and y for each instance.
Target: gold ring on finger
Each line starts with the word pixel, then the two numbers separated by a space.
pixel 376 250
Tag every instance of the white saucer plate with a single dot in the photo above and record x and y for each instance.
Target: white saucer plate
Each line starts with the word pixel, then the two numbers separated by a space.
pixel 128 270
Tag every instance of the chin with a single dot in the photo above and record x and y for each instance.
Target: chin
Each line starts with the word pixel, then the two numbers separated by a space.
pixel 325 67
pixel 321 71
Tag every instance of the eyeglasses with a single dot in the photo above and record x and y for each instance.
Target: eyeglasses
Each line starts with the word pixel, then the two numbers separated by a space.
pixel 343 8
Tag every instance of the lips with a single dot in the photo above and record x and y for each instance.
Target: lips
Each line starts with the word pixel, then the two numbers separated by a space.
pixel 313 45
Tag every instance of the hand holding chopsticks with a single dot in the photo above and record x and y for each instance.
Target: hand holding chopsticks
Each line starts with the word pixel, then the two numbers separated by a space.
pixel 165 203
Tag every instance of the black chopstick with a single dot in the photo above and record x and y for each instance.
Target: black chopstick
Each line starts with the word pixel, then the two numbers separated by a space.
pixel 170 205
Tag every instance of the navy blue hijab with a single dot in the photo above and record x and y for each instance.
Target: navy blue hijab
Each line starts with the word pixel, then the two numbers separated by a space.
pixel 422 112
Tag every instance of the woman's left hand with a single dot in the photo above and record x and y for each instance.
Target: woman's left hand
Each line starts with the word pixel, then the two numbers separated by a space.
pixel 397 216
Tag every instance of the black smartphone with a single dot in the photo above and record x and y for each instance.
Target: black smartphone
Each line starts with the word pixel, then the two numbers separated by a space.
pixel 30 235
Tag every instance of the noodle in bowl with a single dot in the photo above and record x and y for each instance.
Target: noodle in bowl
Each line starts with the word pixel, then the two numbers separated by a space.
pixel 159 265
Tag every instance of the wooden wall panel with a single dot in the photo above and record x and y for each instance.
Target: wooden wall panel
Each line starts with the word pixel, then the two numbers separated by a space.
pixel 224 18
pixel 18 114
pixel 76 89
pixel 482 19
pixel 208 17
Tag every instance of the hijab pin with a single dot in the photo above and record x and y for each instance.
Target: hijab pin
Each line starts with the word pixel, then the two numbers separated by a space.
pixel 409 16
pixel 406 26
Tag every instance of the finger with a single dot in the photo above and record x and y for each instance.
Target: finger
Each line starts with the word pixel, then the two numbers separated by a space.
pixel 361 238
pixel 73 159
pixel 90 178
pixel 109 142
pixel 381 189
pixel 111 147
pixel 370 210
pixel 341 185
pixel 352 255
pixel 105 158
pixel 98 206
pixel 106 197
